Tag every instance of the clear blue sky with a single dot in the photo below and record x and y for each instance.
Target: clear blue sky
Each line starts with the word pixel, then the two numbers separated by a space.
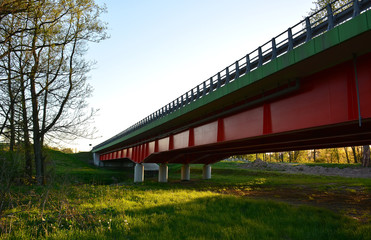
pixel 160 49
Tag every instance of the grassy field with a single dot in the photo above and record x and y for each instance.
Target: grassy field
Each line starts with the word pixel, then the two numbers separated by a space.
pixel 85 202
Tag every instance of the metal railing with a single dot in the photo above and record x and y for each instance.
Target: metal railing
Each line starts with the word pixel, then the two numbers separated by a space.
pixel 312 26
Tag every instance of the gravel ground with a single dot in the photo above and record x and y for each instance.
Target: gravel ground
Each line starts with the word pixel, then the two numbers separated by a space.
pixel 358 172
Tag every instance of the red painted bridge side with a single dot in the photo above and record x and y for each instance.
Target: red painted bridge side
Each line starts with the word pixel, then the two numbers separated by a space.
pixel 321 111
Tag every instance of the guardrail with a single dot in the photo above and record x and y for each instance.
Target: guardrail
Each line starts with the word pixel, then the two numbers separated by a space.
pixel 312 26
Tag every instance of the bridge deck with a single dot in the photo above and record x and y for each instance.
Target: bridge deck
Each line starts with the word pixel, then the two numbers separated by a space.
pixel 331 48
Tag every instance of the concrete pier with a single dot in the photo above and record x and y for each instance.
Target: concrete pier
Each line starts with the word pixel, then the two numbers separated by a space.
pixel 206 171
pixel 185 172
pixel 138 173
pixel 163 173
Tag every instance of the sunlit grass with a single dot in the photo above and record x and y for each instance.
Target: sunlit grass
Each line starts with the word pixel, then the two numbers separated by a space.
pixel 101 212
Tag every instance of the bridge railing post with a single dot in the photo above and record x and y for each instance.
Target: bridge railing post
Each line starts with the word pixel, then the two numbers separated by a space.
pixel 227 76
pixel 182 101
pixel 219 81
pixel 356 9
pixel 308 28
pixel 248 67
pixel 290 40
pixel 260 57
pixel 237 73
pixel 330 17
pixel 274 49
pixel 198 92
pixel 171 107
pixel 204 89
pixel 211 87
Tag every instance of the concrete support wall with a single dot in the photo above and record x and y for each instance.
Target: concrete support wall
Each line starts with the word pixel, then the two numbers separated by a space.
pixel 206 171
pixel 96 160
pixel 163 173
pixel 185 172
pixel 138 173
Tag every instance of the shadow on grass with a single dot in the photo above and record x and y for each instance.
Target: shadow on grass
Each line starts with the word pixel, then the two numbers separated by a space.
pixel 228 217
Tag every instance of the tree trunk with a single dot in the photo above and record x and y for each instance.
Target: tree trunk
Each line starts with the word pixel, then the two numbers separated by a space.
pixel 26 136
pixel 366 156
pixel 11 104
pixel 359 156
pixel 337 155
pixel 346 154
pixel 37 146
pixel 354 154
pixel 296 155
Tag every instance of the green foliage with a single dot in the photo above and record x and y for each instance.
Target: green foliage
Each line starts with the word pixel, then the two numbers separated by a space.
pixel 336 6
pixel 75 168
pixel 327 155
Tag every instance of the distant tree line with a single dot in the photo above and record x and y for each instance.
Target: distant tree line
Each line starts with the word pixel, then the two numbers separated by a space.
pixel 347 155
pixel 43 88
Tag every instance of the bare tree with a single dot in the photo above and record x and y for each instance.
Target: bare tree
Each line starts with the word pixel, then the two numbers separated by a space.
pixel 50 71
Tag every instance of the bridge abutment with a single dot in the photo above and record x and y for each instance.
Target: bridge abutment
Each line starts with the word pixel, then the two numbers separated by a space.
pixel 206 171
pixel 185 172
pixel 96 160
pixel 138 173
pixel 163 173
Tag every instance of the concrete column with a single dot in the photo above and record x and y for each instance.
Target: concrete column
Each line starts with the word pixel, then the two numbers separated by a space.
pixel 206 171
pixel 163 172
pixel 96 160
pixel 138 173
pixel 185 172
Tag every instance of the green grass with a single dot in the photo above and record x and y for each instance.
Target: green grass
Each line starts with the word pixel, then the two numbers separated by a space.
pixel 82 202
pixel 334 165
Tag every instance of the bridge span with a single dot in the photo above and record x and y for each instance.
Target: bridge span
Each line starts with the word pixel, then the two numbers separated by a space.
pixel 309 87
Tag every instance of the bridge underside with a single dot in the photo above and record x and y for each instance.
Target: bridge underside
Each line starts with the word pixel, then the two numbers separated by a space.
pixel 340 135
pixel 330 108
